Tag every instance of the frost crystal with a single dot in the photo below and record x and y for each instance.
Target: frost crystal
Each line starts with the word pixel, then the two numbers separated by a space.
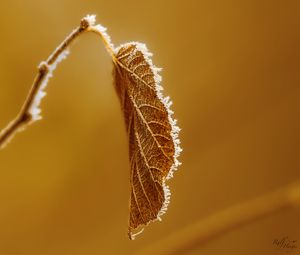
pixel 34 109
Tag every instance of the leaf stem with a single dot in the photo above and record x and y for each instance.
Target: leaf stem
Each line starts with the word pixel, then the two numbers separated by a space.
pixel 220 223
pixel 101 31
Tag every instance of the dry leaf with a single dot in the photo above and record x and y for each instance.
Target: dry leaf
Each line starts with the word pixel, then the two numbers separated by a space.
pixel 152 133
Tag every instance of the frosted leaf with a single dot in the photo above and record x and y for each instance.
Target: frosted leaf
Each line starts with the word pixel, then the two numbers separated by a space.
pixel 152 133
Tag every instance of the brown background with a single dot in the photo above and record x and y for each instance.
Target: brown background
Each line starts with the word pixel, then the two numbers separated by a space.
pixel 232 70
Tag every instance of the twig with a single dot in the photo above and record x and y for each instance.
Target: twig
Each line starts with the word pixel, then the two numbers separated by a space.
pixel 225 221
pixel 30 110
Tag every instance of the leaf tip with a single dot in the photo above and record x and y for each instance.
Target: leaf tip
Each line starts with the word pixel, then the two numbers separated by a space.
pixel 132 235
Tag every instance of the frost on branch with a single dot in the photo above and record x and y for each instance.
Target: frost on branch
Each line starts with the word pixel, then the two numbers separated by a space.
pixel 34 109
pixel 30 111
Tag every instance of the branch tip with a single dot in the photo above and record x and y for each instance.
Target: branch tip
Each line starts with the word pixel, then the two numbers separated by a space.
pixel 88 21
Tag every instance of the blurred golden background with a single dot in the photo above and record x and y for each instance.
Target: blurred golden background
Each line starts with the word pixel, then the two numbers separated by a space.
pixel 232 71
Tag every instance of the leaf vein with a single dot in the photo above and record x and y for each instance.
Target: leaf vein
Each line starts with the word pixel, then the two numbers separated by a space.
pixel 151 106
pixel 137 76
pixel 149 129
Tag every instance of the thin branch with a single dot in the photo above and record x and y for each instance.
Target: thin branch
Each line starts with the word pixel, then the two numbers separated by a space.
pixel 30 110
pixel 220 223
